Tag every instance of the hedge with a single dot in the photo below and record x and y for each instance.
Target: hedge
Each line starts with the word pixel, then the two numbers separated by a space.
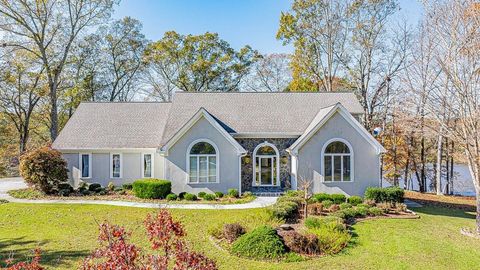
pixel 152 188
pixel 389 194
pixel 336 198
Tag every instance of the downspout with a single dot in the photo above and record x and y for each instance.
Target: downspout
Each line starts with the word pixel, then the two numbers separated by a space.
pixel 240 172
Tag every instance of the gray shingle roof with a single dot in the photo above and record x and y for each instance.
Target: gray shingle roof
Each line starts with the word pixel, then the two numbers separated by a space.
pixel 114 125
pixel 145 125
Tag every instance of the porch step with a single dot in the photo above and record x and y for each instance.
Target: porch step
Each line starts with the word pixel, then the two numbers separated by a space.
pixel 268 194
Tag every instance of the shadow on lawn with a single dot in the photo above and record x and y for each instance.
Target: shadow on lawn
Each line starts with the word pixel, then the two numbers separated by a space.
pixel 20 249
pixel 442 211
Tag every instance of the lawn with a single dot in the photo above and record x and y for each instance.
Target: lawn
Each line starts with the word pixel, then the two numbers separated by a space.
pixel 66 233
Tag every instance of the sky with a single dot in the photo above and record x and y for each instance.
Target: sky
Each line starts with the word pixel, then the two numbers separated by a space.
pixel 239 22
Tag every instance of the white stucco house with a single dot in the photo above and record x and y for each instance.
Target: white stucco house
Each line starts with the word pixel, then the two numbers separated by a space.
pixel 258 142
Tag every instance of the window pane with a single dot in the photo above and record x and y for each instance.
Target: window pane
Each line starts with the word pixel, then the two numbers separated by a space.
pixel 275 176
pixel 257 171
pixel 85 166
pixel 203 170
pixel 203 148
pixel 116 165
pixel 266 150
pixel 193 169
pixel 337 148
pixel 266 171
pixel 328 168
pixel 337 168
pixel 346 168
pixel 212 169
pixel 147 165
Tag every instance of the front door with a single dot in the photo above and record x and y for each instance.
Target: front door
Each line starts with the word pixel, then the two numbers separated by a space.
pixel 266 171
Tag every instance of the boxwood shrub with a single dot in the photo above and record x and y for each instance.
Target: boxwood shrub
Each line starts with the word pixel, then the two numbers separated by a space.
pixel 219 194
pixel 152 188
pixel 355 200
pixel 209 197
pixel 286 210
pixel 201 194
pixel 261 243
pixel 335 198
pixel 171 197
pixel 190 197
pixel 233 193
pixel 127 186
pixel 388 195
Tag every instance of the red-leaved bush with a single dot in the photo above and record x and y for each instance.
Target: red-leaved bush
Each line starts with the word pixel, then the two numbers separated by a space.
pixel 165 235
pixel 32 265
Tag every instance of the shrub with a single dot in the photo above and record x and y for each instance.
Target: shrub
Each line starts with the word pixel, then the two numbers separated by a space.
pixel 315 208
pixel 209 197
pixel 110 186
pixel 334 208
pixel 127 186
pixel 330 221
pixel 338 198
pixel 43 169
pixel 375 211
pixel 389 194
pixel 233 193
pixel 232 231
pixel 216 231
pixel 181 195
pixel 312 222
pixel 190 197
pixel 299 243
pixel 364 205
pixel 361 211
pixel 171 197
pixel 327 203
pixel 201 194
pixel 320 197
pixel 401 207
pixel 369 202
pixel 152 188
pixel 261 243
pixel 247 194
pixel 219 194
pixel 283 210
pixel 345 206
pixel 354 200
pixel 294 193
pixel 296 200
pixel 64 192
pixel 293 257
pixel 331 238
pixel 94 187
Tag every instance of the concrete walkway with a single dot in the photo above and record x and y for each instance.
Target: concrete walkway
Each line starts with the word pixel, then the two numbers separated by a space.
pixel 7 184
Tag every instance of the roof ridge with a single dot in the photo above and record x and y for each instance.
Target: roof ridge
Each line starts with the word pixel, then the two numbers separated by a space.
pixel 126 102
pixel 264 92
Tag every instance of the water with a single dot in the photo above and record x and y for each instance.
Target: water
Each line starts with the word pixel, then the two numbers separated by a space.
pixel 462 181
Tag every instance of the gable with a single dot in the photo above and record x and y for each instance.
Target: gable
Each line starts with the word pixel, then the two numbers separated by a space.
pixel 204 126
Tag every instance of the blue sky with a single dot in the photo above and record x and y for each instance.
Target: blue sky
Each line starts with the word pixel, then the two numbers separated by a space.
pixel 240 22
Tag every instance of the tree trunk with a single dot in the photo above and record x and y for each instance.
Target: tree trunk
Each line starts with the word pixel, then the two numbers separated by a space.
pixel 53 112
pixel 438 175
pixel 478 210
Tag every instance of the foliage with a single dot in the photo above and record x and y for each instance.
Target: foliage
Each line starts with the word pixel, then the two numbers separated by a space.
pixel 34 264
pixel 247 194
pixel 110 186
pixel 26 193
pixel 293 257
pixel 286 210
pixel 354 200
pixel 327 203
pixel 315 208
pixel 190 197
pixel 335 198
pixel 320 197
pixel 209 197
pixel 94 187
pixel 171 197
pixel 317 222
pixel 300 243
pixel 44 169
pixel 338 198
pixel 219 194
pixel 181 195
pixel 127 186
pixel 166 237
pixel 345 206
pixel 375 211
pixel 152 188
pixel 233 192
pixel 331 239
pixel 232 231
pixel 201 194
pixel 388 194
pixel 261 243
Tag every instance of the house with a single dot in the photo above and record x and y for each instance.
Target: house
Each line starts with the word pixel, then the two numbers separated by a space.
pixel 258 142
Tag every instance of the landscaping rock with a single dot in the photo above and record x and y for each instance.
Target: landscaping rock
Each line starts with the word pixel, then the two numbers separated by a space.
pixel 285 227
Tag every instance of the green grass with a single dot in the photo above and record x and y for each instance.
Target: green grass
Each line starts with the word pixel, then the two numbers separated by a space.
pixel 67 233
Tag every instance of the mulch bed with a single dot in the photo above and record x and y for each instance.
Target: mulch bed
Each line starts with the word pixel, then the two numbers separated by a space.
pixel 465 203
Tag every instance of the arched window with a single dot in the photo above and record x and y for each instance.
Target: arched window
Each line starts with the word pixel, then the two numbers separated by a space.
pixel 337 161
pixel 202 158
pixel 266 165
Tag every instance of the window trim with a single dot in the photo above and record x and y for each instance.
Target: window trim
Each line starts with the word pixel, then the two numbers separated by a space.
pixel 111 165
pixel 277 156
pixel 217 158
pixel 351 155
pixel 152 160
pixel 89 165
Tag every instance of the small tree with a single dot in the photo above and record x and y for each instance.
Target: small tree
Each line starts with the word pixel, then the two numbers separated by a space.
pixel 306 185
pixel 44 169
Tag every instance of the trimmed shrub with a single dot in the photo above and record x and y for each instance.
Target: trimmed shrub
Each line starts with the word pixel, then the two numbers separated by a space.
pixel 355 200
pixel 43 169
pixel 94 186
pixel 209 197
pixel 338 198
pixel 375 211
pixel 64 192
pixel 181 195
pixel 233 193
pixel 362 211
pixel 299 243
pixel 233 231
pixel 201 194
pixel 294 193
pixel 219 194
pixel 327 204
pixel 296 200
pixel 65 186
pixel 127 186
pixel 171 197
pixel 261 243
pixel 247 194
pixel 345 206
pixel 283 210
pixel 320 197
pixel 190 197
pixel 152 188
pixel 388 194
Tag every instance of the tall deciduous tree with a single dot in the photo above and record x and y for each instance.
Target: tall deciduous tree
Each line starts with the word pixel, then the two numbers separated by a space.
pixel 199 63
pixel 48 29
pixel 271 73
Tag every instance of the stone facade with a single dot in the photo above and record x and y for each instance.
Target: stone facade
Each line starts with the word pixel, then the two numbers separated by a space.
pixel 247 163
